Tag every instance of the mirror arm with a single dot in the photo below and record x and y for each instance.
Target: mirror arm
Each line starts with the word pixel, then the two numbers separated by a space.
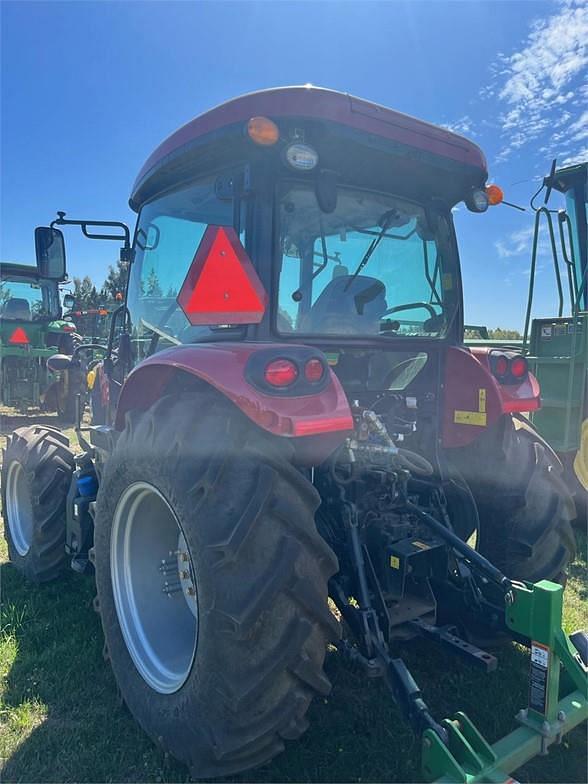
pixel 61 220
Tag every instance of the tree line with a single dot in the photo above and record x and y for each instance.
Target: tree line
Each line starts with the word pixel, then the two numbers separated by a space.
pixel 88 297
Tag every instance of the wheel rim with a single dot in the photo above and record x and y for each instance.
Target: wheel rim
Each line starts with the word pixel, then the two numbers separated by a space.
pixel 154 587
pixel 19 509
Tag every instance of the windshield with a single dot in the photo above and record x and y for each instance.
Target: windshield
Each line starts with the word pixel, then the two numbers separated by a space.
pixel 24 300
pixel 376 265
pixel 168 234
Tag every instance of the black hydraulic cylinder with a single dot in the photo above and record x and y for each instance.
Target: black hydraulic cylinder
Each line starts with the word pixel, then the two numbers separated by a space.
pixel 462 547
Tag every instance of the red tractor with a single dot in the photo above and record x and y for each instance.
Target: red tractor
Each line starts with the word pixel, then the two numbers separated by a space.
pixel 292 447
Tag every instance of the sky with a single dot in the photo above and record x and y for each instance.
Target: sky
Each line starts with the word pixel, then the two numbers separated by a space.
pixel 89 89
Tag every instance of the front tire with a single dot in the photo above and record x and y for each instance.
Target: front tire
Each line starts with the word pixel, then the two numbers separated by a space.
pixel 36 476
pixel 191 479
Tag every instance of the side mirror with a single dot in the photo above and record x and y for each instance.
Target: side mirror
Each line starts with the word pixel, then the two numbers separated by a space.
pixel 59 362
pixel 69 301
pixel 50 251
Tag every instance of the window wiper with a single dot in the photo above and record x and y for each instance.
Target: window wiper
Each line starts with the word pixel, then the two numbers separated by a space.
pixel 384 222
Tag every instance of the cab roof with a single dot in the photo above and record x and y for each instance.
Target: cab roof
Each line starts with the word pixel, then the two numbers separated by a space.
pixel 313 103
pixel 12 270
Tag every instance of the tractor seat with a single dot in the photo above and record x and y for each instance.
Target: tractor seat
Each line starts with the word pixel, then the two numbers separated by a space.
pixel 347 305
pixel 17 308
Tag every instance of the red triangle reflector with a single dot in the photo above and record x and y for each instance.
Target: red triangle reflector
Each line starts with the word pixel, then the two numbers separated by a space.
pixel 221 286
pixel 19 337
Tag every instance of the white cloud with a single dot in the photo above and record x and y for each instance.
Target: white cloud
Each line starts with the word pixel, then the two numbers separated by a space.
pixel 464 126
pixel 519 243
pixel 535 83
pixel 574 157
pixel 579 128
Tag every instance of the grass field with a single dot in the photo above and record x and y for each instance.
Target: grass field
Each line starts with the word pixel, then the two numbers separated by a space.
pixel 61 719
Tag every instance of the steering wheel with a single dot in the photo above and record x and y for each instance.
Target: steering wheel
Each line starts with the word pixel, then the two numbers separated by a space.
pixel 404 372
pixel 412 306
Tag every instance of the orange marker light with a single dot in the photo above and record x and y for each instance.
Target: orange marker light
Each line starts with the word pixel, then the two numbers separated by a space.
pixel 495 195
pixel 263 131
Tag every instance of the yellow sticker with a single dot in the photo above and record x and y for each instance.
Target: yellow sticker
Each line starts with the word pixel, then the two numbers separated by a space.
pixel 447 281
pixel 478 417
pixel 394 562
pixel 421 545
pixel 469 418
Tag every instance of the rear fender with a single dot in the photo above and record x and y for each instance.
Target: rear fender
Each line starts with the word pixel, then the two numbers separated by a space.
pixel 222 366
pixel 473 398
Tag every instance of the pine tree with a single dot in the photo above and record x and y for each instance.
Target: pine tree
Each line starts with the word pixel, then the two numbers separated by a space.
pixel 115 282
pixel 85 293
pixel 152 287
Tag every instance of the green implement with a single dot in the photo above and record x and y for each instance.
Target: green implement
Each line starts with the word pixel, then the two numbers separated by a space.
pixel 556 704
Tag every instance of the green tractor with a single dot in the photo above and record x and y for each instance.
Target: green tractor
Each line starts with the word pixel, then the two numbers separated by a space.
pixel 556 347
pixel 293 451
pixel 31 330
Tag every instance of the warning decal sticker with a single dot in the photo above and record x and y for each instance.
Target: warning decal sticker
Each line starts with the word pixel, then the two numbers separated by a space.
pixel 478 417
pixel 538 677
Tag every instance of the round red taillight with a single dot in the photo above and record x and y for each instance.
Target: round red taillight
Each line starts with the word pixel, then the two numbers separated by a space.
pixel 519 367
pixel 314 370
pixel 280 373
pixel 501 366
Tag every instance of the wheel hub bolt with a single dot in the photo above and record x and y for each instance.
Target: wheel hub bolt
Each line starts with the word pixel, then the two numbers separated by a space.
pixel 171 588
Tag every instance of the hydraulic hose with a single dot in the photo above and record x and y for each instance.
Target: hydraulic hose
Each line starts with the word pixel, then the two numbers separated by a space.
pixel 415 463
pixel 409 460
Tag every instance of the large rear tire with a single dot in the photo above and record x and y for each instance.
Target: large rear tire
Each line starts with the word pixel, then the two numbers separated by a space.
pixel 36 476
pixel 525 508
pixel 246 611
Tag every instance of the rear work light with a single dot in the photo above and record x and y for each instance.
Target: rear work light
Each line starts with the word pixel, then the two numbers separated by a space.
pixel 281 373
pixel 301 156
pixel 508 367
pixel 477 200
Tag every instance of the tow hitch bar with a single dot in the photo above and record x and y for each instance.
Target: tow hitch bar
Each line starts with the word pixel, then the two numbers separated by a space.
pixel 534 612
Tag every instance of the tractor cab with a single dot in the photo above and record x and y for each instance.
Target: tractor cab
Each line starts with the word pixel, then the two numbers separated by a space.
pixel 343 209
pixel 342 212
pixel 26 297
